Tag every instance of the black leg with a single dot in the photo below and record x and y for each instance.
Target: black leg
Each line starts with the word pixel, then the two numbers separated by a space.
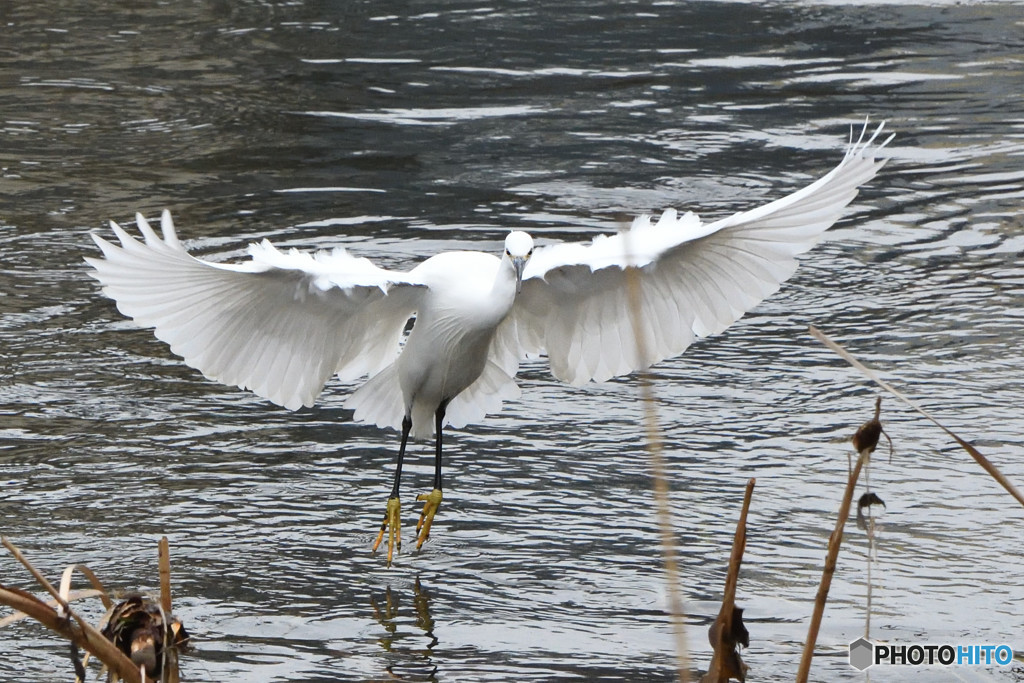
pixel 432 500
pixel 438 421
pixel 392 517
pixel 406 428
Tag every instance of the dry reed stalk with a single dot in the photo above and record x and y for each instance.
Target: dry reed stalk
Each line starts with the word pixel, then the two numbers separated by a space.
pixel 728 629
pixel 109 647
pixel 164 559
pixel 80 633
pixel 864 442
pixel 72 596
pixel 655 451
pixel 65 583
pixel 40 579
pixel 170 654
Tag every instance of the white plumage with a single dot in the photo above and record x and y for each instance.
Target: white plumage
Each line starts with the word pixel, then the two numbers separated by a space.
pixel 282 323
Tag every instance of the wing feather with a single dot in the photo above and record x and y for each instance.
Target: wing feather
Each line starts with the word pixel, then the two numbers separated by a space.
pixel 280 324
pixel 695 279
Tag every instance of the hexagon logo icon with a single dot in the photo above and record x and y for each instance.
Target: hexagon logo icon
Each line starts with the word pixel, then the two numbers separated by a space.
pixel 862 654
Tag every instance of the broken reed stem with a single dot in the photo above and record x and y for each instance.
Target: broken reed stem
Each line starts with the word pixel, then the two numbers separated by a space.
pixel 834 542
pixel 40 579
pixel 72 596
pixel 86 638
pixel 655 450
pixel 164 560
pixel 718 671
pixel 739 544
pixel 170 653
pixel 65 583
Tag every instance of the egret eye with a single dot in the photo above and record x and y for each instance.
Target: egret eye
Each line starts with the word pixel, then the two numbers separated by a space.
pixel 529 253
pixel 508 253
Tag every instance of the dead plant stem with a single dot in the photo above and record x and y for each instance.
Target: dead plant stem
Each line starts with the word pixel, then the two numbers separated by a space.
pixel 719 669
pixel 834 542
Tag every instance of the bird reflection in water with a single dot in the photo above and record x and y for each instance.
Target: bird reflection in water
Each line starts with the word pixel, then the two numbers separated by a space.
pixel 407 664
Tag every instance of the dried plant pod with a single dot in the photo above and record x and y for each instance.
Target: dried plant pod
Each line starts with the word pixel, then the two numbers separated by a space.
pixel 866 501
pixel 865 439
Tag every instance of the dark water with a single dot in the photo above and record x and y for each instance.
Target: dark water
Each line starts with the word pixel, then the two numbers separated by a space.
pixel 401 129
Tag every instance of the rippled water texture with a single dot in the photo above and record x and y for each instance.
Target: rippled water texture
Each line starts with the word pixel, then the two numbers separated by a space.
pixel 400 129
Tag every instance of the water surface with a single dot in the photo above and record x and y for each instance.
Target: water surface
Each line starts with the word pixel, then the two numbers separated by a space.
pixel 400 129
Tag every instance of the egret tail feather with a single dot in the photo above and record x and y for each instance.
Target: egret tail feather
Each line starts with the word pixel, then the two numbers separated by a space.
pixel 379 401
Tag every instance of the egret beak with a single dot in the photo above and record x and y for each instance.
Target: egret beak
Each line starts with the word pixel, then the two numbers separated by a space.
pixel 519 263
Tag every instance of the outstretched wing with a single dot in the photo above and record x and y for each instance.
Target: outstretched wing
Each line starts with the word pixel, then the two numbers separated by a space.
pixel 691 279
pixel 279 325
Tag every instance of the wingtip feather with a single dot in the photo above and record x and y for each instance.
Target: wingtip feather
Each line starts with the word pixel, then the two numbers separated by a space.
pixel 167 228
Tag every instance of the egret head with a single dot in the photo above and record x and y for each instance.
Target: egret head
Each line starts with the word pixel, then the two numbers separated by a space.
pixel 518 249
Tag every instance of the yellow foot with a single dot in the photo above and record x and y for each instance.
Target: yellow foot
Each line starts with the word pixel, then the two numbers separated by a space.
pixel 393 525
pixel 431 501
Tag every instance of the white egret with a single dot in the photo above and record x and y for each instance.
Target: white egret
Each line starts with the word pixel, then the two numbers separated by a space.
pixel 282 323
